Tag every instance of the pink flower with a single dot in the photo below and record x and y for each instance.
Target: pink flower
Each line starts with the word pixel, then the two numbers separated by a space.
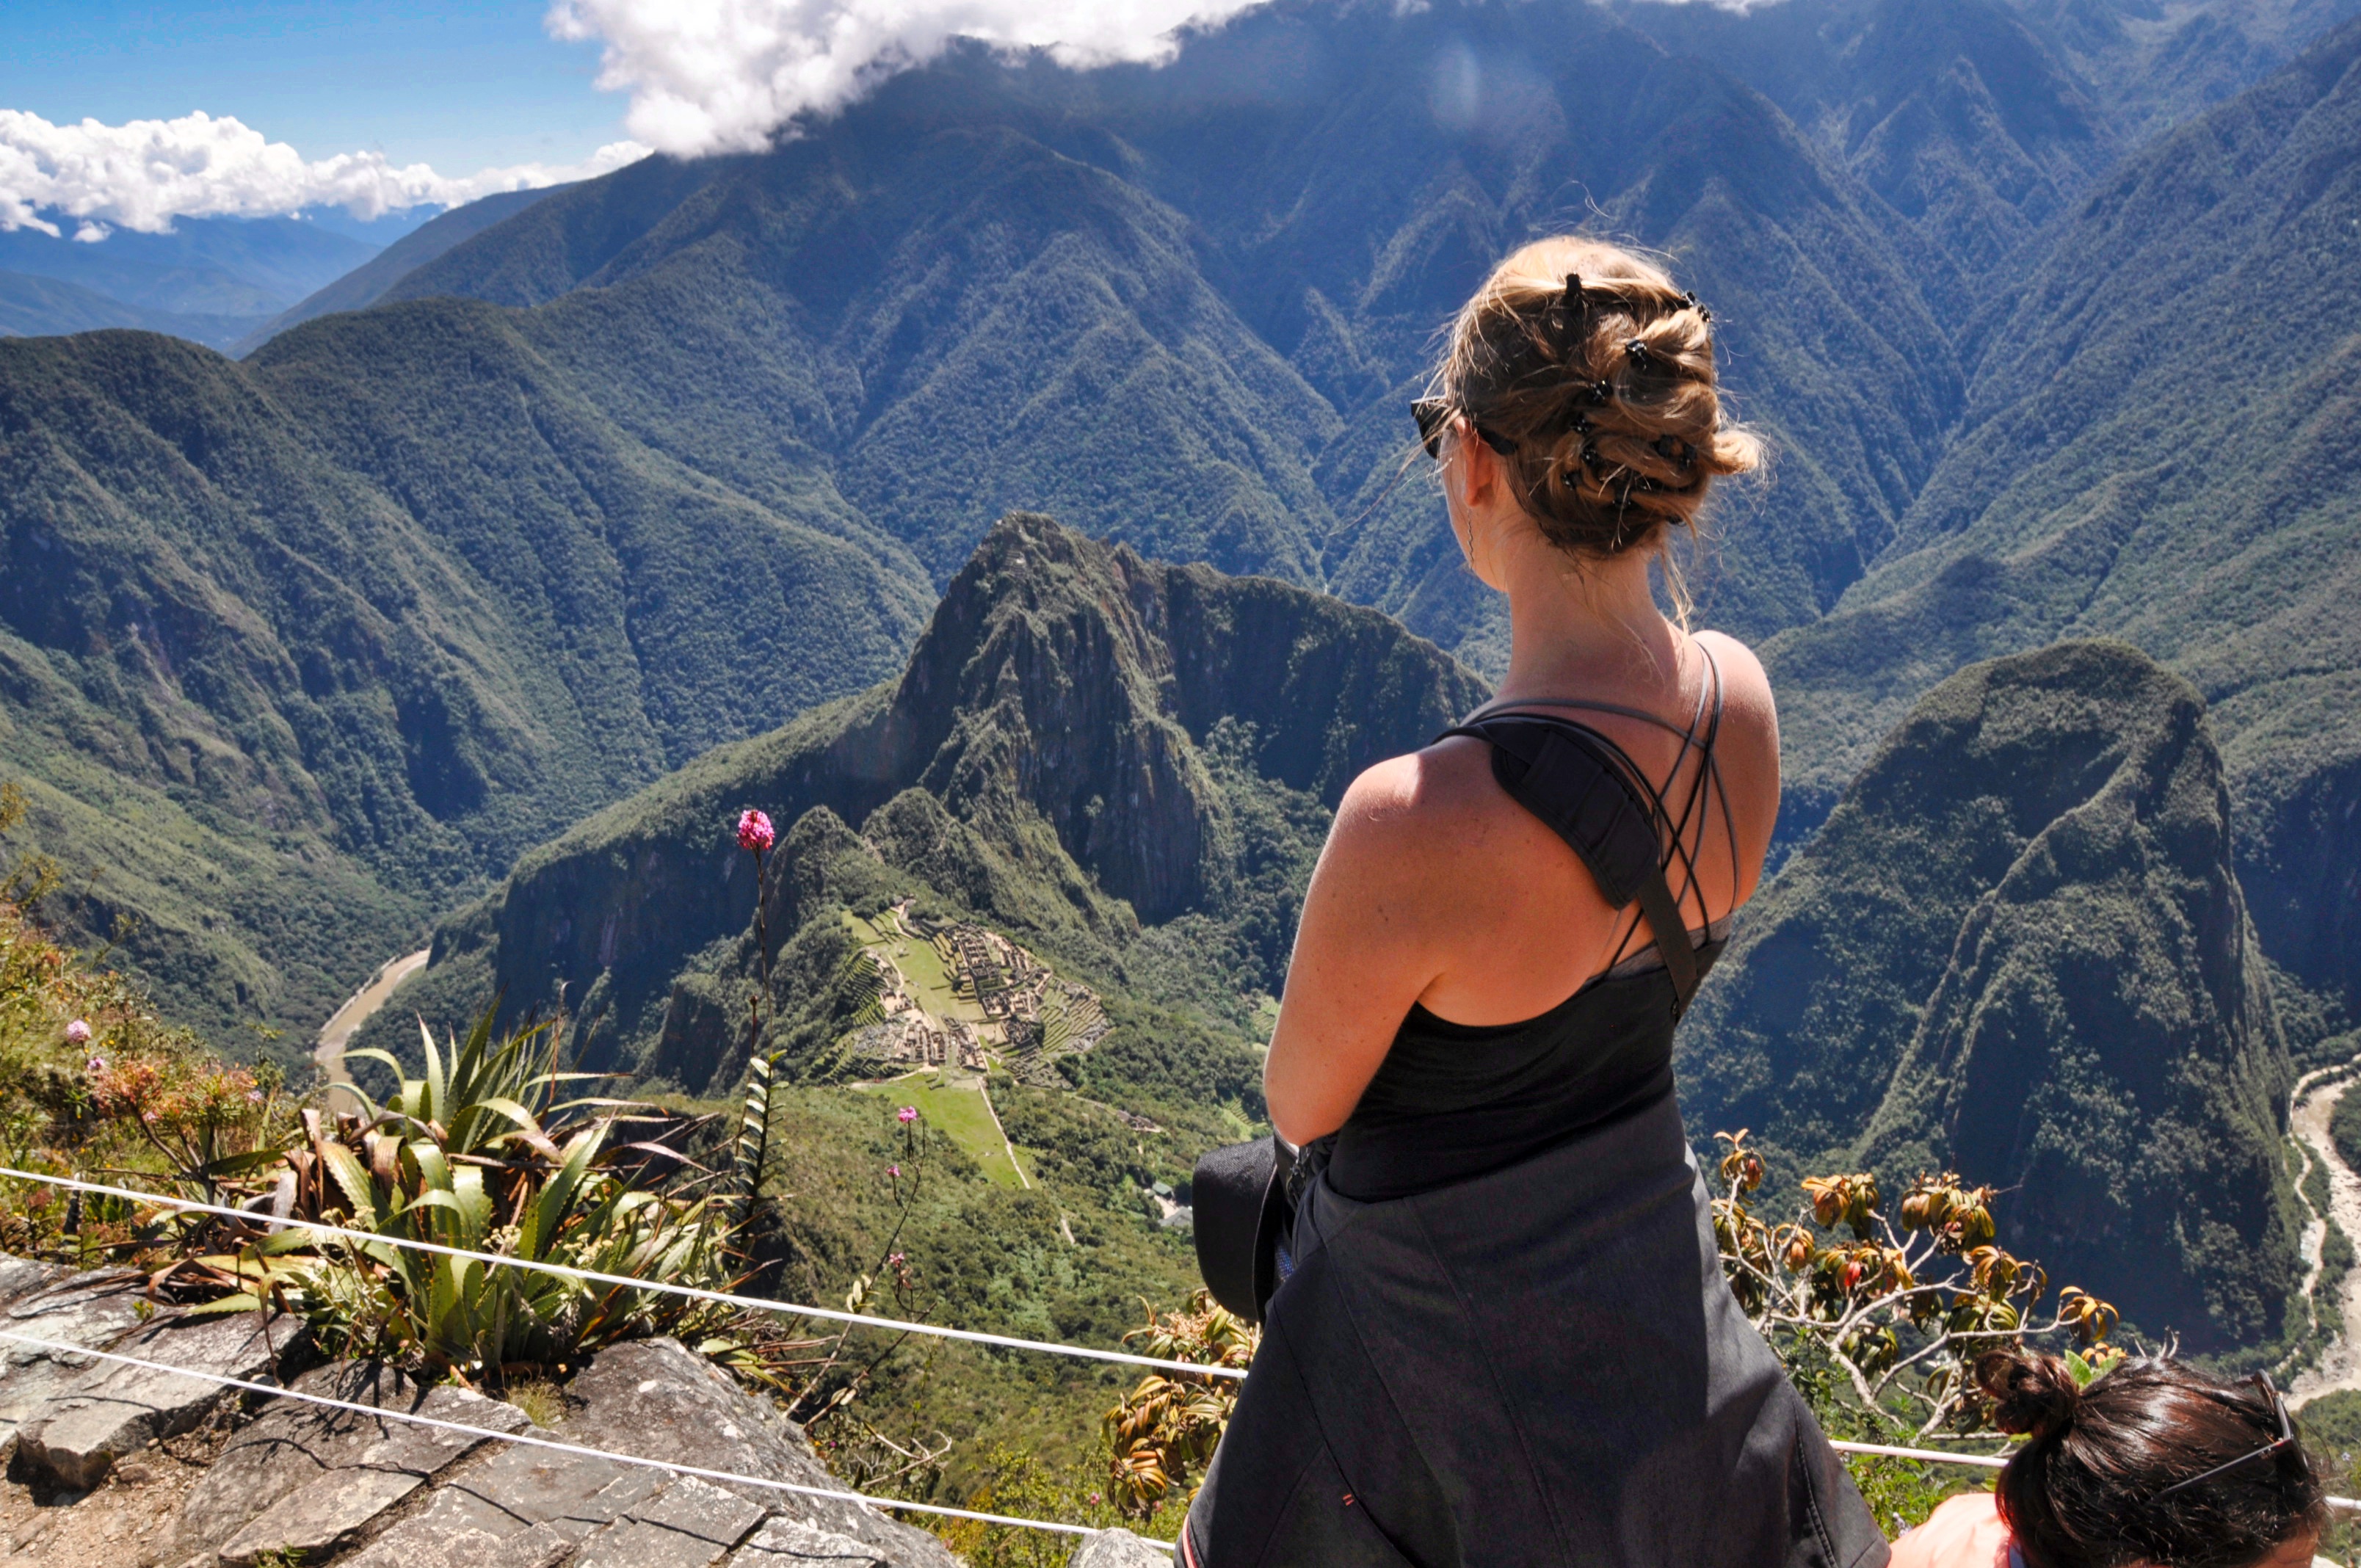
pixel 254 1097
pixel 895 1171
pixel 896 1261
pixel 906 1114
pixel 754 834
pixel 78 1032
pixel 95 1064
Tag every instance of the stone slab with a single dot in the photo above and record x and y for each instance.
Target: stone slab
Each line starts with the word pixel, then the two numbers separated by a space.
pixel 75 1435
pixel 1119 1549
pixel 461 1546
pixel 690 1524
pixel 518 1488
pixel 22 1277
pixel 86 1309
pixel 657 1398
pixel 791 1544
pixel 347 1470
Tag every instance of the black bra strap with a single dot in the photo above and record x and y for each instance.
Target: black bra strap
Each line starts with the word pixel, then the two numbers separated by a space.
pixel 1589 793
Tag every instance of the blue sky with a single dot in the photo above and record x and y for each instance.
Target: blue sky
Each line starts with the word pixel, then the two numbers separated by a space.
pixel 459 86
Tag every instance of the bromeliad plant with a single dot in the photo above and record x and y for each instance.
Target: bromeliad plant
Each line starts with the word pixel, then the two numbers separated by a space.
pixel 477 1154
pixel 1902 1312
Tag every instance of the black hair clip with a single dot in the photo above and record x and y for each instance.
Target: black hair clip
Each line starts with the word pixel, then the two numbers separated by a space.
pixel 1601 392
pixel 1674 449
pixel 1635 350
pixel 1569 314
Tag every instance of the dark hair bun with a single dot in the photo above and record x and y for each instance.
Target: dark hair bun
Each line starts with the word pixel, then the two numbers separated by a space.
pixel 2035 1395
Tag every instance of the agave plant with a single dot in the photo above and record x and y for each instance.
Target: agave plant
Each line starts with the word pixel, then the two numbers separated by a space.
pixel 476 1154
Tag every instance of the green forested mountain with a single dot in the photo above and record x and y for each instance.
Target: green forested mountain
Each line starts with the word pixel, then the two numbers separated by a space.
pixel 2158 446
pixel 702 439
pixel 35 306
pixel 1127 763
pixel 1184 306
pixel 296 649
pixel 1124 767
pixel 2018 950
pixel 364 285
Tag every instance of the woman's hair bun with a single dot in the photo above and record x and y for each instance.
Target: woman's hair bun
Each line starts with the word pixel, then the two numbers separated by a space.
pixel 2033 1395
pixel 1593 377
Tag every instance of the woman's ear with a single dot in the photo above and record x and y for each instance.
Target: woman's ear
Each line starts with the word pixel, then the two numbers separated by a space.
pixel 1476 467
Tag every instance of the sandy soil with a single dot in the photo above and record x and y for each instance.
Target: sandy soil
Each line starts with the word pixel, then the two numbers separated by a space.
pixel 356 1011
pixel 126 1523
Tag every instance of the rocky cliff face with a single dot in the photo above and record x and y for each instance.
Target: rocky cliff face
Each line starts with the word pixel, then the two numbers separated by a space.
pixel 1054 721
pixel 2019 950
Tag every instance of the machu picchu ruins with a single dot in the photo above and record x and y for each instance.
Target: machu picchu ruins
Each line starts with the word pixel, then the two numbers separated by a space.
pixel 956 995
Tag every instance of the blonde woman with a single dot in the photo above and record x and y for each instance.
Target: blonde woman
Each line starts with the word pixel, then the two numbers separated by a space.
pixel 1503 1337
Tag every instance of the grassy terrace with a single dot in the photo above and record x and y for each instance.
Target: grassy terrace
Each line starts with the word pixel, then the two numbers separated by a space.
pixel 957 1109
pixel 921 965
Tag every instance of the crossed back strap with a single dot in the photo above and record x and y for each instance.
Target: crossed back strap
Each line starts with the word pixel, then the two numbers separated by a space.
pixel 1590 794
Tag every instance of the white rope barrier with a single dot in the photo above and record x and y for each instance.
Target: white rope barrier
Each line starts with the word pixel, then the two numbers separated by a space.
pixel 662 1286
pixel 755 1303
pixel 1989 1460
pixel 275 1391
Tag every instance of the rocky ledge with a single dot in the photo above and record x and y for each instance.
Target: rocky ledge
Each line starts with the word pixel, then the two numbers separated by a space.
pixel 112 1467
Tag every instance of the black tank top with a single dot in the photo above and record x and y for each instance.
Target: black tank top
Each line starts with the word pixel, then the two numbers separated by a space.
pixel 1455 1101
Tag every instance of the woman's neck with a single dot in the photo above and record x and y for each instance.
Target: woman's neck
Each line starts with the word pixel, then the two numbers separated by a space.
pixel 1589 626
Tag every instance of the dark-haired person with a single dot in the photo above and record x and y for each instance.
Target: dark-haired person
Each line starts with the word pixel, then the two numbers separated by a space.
pixel 1504 1339
pixel 2153 1463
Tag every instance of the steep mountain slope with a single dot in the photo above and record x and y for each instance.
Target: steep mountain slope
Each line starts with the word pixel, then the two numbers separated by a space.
pixel 2152 65
pixel 373 613
pixel 1962 122
pixel 2018 950
pixel 1074 275
pixel 2158 446
pixel 1083 741
pixel 366 283
pixel 1124 767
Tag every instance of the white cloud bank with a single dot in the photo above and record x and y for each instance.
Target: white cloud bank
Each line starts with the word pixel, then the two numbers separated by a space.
pixel 143 175
pixel 723 75
pixel 703 75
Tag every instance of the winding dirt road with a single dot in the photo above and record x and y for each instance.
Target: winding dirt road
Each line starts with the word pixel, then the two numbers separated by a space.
pixel 2339 1366
pixel 345 1022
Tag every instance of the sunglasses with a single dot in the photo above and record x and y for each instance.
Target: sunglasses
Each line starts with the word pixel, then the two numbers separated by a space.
pixel 2286 1439
pixel 1433 416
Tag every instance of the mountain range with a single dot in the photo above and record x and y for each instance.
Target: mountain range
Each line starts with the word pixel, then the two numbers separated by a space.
pixel 2046 309
pixel 211 280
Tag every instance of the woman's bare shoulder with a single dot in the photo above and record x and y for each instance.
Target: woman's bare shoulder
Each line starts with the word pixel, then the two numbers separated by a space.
pixel 1420 790
pixel 1745 684
pixel 1404 815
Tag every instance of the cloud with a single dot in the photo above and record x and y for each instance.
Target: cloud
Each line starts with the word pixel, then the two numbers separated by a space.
pixel 724 75
pixel 143 175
